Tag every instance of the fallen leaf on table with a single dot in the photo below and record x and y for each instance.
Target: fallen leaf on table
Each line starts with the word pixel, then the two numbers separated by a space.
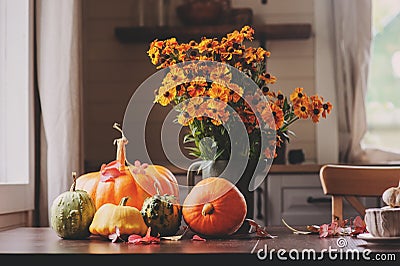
pixel 198 238
pixel 313 228
pixel 359 226
pixel 356 226
pixel 147 239
pixel 258 229
pixel 116 236
pixel 331 229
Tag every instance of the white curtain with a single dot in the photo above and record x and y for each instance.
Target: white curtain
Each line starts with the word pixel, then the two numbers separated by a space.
pixel 353 34
pixel 58 40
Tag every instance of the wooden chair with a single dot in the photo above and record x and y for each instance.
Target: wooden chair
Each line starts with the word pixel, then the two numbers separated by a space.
pixel 351 182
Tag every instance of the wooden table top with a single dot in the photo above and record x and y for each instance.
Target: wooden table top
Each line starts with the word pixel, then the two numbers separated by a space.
pixel 44 241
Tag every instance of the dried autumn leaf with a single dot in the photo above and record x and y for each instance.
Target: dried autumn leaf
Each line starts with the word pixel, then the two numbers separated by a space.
pixel 332 229
pixel 344 223
pixel 146 240
pixel 116 236
pixel 198 238
pixel 323 230
pixel 110 170
pixel 359 226
pixel 260 230
pixel 313 228
pixel 358 222
pixel 253 224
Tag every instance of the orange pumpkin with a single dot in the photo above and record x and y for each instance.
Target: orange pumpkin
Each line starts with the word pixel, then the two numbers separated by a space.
pixel 116 180
pixel 214 207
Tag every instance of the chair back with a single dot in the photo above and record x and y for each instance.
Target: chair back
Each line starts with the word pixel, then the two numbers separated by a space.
pixel 353 181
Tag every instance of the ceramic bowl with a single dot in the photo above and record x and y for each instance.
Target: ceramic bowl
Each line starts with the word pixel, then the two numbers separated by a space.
pixel 383 222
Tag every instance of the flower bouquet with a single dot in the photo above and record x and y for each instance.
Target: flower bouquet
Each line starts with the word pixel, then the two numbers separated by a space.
pixel 219 85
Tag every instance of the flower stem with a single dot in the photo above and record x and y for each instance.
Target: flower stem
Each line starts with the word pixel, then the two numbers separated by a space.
pixel 291 121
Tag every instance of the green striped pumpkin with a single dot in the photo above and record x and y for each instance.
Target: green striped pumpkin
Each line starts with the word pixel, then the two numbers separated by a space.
pixel 72 213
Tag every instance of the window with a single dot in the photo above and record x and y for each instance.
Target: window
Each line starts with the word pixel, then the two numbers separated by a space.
pixel 383 96
pixel 16 106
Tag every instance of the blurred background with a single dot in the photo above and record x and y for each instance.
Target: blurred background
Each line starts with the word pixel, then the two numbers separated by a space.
pixel 114 68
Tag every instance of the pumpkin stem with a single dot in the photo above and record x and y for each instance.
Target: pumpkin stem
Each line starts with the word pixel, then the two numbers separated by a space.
pixel 121 153
pixel 123 201
pixel 208 208
pixel 74 183
pixel 157 186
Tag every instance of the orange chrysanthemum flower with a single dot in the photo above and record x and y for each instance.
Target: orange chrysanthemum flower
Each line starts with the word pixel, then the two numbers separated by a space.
pixel 227 53
pixel 217 91
pixel 278 116
pixel 297 95
pixel 156 43
pixel 302 108
pixel 247 32
pixel 221 74
pixel 196 88
pixel 327 107
pixel 216 112
pixel 316 108
pixel 235 92
pixel 171 42
pixel 185 119
pixel 207 45
pixel 180 90
pixel 235 37
pixel 154 54
pixel 196 107
pixel 250 55
pixel 165 97
pixel 182 47
pixel 268 118
pixel 193 54
pixel 280 99
pixel 175 76
pixel 261 53
pixel 267 92
pixel 250 117
pixel 268 78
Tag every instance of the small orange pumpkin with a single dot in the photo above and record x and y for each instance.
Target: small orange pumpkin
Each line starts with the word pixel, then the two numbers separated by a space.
pixel 116 180
pixel 214 207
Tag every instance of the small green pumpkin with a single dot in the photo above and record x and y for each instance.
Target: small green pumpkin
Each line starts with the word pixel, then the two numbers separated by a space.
pixel 72 213
pixel 162 213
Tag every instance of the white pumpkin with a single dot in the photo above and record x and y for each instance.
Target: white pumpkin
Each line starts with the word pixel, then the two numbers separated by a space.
pixel 391 196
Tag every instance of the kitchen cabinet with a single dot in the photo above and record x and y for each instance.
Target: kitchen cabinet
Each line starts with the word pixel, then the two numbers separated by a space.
pixel 296 195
